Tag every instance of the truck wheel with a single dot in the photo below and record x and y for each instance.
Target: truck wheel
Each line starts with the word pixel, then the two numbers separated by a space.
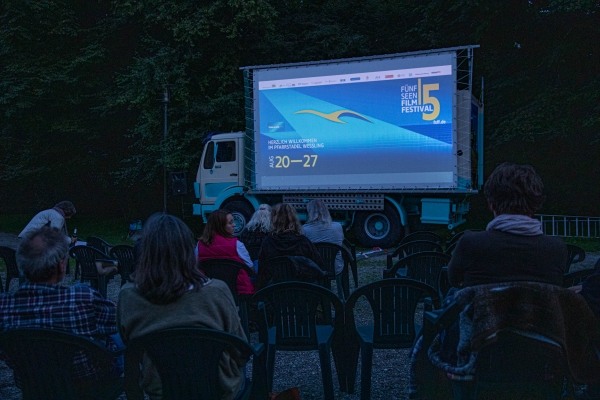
pixel 378 228
pixel 241 212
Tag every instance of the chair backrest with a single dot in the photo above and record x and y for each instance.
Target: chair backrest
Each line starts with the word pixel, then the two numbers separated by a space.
pixel 124 255
pixel 99 244
pixel 425 267
pixel 329 252
pixel 285 269
pixel 575 254
pixel 10 259
pixel 187 361
pixel 224 270
pixel 87 257
pixel 393 302
pixel 450 248
pixel 416 246
pixel 43 360
pixel 294 308
pixel 422 235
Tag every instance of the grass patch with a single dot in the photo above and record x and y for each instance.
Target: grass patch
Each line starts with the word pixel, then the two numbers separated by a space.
pixel 589 245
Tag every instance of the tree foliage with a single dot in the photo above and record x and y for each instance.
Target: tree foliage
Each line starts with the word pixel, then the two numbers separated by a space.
pixel 81 84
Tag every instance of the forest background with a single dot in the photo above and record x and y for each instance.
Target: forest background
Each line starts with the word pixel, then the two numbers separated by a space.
pixel 81 86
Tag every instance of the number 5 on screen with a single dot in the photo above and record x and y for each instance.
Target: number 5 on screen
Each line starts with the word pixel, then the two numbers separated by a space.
pixel 427 99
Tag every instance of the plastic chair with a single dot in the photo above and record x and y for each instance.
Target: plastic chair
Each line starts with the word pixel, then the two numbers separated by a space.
pixel 124 255
pixel 393 303
pixel 43 361
pixel 227 271
pixel 87 257
pixel 575 255
pixel 100 244
pixel 413 247
pixel 285 269
pixel 422 235
pixel 329 252
pixel 352 248
pixel 577 277
pixel 187 361
pixel 425 267
pixel 10 260
pixel 501 372
pixel 296 326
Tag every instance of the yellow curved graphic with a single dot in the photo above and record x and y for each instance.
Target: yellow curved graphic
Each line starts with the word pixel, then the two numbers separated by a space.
pixel 335 116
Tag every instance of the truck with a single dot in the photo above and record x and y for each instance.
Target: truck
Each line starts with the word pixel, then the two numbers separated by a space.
pixel 387 142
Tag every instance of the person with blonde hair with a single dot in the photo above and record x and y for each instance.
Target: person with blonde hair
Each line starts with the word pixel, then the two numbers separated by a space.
pixel 258 227
pixel 286 238
pixel 320 228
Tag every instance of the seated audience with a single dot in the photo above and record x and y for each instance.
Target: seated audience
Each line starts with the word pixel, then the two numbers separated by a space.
pixel 258 227
pixel 170 291
pixel 286 239
pixel 513 247
pixel 320 228
pixel 55 217
pixel 217 241
pixel 43 302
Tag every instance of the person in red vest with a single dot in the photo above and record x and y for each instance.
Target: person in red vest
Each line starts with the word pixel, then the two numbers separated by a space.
pixel 217 241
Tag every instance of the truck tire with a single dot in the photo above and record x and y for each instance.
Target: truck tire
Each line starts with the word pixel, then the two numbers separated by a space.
pixel 378 228
pixel 241 212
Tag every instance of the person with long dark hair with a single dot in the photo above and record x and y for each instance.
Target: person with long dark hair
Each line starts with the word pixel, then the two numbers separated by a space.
pixel 168 291
pixel 217 241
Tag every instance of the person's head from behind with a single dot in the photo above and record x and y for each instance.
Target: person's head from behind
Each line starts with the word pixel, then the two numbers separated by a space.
pixel 284 219
pixel 318 212
pixel 167 263
pixel 514 189
pixel 220 222
pixel 43 255
pixel 261 219
pixel 67 208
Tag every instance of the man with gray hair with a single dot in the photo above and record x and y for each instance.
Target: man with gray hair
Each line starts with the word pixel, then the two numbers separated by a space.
pixel 55 217
pixel 43 302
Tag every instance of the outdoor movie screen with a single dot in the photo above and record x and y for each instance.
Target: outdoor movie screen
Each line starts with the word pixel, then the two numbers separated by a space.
pixel 359 125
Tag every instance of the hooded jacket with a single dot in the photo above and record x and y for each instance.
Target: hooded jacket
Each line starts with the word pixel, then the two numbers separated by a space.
pixel 288 244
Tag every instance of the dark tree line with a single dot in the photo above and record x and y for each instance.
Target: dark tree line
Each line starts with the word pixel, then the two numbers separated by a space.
pixel 81 82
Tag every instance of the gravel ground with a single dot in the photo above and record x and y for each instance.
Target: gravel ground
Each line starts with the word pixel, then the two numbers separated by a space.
pixel 301 369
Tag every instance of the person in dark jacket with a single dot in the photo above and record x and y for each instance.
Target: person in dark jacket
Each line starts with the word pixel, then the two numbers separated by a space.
pixel 258 227
pixel 286 239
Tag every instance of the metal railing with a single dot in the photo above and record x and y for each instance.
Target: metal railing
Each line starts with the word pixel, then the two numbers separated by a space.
pixel 570 226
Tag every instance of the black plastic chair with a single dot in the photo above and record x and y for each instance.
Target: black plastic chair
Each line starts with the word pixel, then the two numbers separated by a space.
pixel 422 235
pixel 124 255
pixel 10 260
pixel 87 257
pixel 577 277
pixel 43 361
pixel 575 254
pixel 425 267
pixel 285 269
pixel 298 324
pixel 329 252
pixel 352 248
pixel 393 303
pixel 450 248
pixel 227 271
pixel 187 361
pixel 413 247
pixel 100 244
pixel 501 370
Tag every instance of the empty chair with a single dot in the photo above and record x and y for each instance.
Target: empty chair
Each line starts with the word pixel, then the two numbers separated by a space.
pixel 99 244
pixel 329 253
pixel 575 255
pixel 300 322
pixel 393 303
pixel 187 361
pixel 422 235
pixel 10 260
pixel 124 255
pixel 227 271
pixel 409 248
pixel 43 360
pixel 425 267
pixel 88 256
